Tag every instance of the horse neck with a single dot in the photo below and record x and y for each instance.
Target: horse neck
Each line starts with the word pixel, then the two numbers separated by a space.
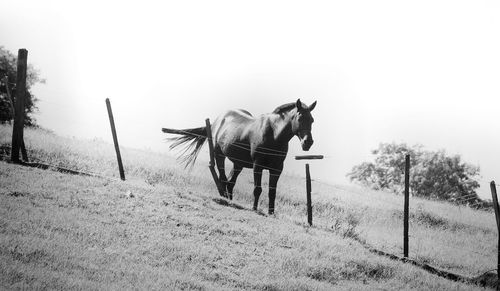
pixel 282 125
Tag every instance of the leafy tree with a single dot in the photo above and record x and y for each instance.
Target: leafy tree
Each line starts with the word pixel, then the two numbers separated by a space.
pixel 8 67
pixel 433 174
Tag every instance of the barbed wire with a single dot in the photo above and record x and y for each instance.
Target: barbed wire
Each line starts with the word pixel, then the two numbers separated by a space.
pixel 240 144
pixel 253 163
pixel 271 152
pixel 2 81
pixel 61 168
pixel 481 273
pixel 234 142
pixel 461 249
pixel 488 182
pixel 66 121
pixel 466 198
pixel 66 105
pixel 363 196
pixel 467 250
pixel 257 151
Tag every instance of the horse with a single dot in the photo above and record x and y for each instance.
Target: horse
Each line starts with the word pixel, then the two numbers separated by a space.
pixel 259 143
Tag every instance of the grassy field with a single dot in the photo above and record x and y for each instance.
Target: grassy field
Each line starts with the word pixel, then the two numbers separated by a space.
pixel 166 228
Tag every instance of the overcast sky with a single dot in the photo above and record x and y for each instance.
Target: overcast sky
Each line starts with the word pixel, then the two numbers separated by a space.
pixel 423 72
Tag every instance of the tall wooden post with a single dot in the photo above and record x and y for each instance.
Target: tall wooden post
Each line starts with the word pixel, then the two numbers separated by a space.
pixel 406 205
pixel 493 188
pixel 18 129
pixel 308 191
pixel 10 99
pixel 308 184
pixel 115 139
pixel 211 164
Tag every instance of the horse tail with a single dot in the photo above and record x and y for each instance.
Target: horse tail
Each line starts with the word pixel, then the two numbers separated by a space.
pixel 191 142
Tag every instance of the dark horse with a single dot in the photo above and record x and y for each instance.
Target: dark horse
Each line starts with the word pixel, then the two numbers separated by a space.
pixel 260 143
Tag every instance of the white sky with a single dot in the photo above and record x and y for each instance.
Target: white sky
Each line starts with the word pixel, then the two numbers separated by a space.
pixel 407 71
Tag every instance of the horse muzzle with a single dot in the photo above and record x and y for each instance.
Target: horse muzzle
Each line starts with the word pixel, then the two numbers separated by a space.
pixel 306 143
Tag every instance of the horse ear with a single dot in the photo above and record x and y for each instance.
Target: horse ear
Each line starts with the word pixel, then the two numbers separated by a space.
pixel 299 104
pixel 312 106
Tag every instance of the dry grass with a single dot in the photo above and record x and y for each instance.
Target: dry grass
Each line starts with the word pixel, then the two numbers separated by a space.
pixel 62 231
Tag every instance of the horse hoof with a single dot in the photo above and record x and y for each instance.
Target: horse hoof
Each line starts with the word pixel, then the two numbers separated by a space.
pixel 270 212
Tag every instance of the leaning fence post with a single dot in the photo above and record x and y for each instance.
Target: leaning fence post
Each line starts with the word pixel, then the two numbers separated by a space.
pixel 493 188
pixel 406 205
pixel 211 164
pixel 17 131
pixel 115 140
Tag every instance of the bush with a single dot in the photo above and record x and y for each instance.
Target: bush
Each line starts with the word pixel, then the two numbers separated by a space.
pixel 433 174
pixel 8 67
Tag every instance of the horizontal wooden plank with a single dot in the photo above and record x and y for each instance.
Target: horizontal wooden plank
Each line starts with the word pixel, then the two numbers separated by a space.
pixel 309 157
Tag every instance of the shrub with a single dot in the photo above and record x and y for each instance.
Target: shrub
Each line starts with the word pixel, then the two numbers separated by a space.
pixel 433 174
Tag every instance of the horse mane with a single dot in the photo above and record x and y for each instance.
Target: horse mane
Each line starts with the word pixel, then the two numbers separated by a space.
pixel 284 108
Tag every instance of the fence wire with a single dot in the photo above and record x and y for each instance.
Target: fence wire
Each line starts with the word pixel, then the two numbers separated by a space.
pixel 242 145
pixel 34 161
pixel 269 152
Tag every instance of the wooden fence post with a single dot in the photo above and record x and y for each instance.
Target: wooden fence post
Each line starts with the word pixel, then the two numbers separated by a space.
pixel 493 189
pixel 211 164
pixel 18 128
pixel 406 205
pixel 308 191
pixel 115 139
pixel 308 184
pixel 10 99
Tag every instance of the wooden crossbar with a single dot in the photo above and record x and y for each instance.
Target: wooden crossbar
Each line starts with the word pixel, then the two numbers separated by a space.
pixel 309 157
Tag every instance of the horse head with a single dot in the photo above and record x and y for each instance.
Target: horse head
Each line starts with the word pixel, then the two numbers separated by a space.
pixel 302 124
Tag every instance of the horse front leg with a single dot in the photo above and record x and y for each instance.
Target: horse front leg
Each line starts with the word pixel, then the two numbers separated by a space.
pixel 257 180
pixel 274 176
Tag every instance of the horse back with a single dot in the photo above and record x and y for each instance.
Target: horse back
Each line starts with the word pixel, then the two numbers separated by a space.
pixel 243 139
pixel 233 125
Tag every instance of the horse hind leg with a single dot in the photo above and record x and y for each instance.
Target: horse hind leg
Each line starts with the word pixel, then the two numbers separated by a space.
pixel 220 162
pixel 232 180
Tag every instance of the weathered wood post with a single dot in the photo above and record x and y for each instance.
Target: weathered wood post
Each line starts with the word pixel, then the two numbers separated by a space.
pixel 406 205
pixel 493 188
pixel 18 128
pixel 10 100
pixel 211 164
pixel 115 139
pixel 308 183
pixel 308 193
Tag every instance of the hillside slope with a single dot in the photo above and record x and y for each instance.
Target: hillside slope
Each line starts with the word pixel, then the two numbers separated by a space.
pixel 41 211
pixel 63 231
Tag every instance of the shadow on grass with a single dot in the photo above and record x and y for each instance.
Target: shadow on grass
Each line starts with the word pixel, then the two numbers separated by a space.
pixel 228 203
pixel 5 156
